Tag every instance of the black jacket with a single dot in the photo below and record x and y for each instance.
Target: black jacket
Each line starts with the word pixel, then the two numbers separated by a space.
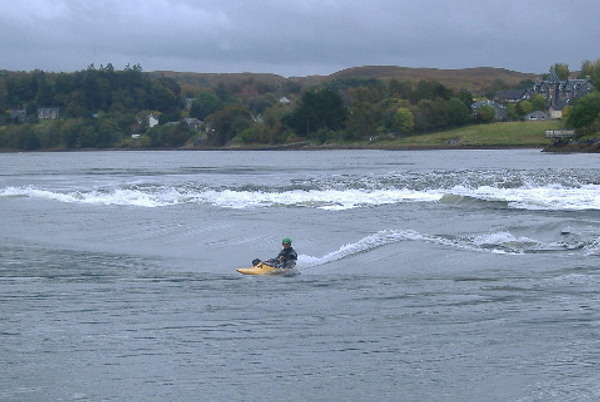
pixel 289 257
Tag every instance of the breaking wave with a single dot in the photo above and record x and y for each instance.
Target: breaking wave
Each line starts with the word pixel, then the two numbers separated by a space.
pixel 543 197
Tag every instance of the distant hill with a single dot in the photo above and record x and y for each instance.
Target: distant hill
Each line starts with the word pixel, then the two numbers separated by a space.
pixel 477 80
pixel 200 81
pixel 473 79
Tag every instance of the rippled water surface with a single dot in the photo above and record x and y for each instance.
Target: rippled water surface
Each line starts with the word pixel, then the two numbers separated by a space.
pixel 425 275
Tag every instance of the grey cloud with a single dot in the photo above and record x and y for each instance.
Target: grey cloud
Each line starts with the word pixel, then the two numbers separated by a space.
pixel 297 37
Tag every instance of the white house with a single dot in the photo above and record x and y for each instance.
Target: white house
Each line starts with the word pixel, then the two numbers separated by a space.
pixel 48 113
pixel 538 115
pixel 152 121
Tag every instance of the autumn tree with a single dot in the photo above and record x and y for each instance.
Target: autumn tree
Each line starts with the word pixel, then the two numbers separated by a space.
pixel 404 121
pixel 364 114
pixel 560 71
pixel 591 70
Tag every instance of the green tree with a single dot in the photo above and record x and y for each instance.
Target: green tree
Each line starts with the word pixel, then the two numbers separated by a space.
pixel 400 89
pixel 49 133
pixel 107 133
pixel 560 71
pixel 485 114
pixel 430 90
pixel 524 107
pixel 538 102
pixel 585 112
pixel 205 104
pixel 431 114
pixel 20 88
pixel 458 112
pixel 228 122
pixel 318 109
pixel 172 135
pixel 87 137
pixel 257 133
pixel 591 70
pixel 275 130
pixel 44 91
pixel 362 121
pixel 365 113
pixel 69 134
pixel 25 138
pixel 466 97
pixel 3 97
pixel 90 89
pixel 512 113
pixel 165 101
pixel 404 121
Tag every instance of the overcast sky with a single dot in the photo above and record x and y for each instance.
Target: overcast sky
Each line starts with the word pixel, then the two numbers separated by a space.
pixel 297 37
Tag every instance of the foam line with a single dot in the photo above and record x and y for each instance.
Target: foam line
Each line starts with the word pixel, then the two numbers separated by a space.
pixel 545 197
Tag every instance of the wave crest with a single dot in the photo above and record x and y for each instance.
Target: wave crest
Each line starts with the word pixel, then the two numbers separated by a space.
pixel 495 243
pixel 548 197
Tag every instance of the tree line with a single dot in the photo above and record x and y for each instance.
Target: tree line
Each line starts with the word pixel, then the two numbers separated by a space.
pixel 103 107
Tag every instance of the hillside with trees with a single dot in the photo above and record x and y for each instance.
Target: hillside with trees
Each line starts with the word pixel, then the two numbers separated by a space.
pixel 108 108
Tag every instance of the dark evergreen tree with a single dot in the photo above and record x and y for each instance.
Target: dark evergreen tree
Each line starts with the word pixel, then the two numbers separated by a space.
pixel 318 109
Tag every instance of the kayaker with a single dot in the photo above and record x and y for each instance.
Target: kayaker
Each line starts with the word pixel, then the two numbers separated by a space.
pixel 285 259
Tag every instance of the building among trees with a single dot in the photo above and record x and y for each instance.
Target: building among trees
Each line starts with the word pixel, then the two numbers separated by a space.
pixel 557 93
pixel 560 93
pixel 45 113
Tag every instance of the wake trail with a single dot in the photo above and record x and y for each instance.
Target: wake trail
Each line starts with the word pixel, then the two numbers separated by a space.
pixel 376 240
pixel 495 243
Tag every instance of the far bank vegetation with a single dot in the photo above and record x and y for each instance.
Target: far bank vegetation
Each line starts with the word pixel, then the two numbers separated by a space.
pixel 108 108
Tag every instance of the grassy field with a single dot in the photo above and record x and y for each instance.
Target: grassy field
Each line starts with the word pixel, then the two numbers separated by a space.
pixel 496 135
pixel 523 134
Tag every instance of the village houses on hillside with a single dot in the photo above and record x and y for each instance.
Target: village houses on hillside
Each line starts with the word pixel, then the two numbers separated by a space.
pixel 558 95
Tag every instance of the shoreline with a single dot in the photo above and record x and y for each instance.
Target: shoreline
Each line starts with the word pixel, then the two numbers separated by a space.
pixel 293 147
pixel 587 147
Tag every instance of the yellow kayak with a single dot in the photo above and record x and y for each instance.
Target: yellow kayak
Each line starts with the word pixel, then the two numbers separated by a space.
pixel 264 269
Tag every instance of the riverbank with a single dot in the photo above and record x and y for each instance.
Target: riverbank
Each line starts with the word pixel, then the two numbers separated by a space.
pixel 578 146
pixel 504 135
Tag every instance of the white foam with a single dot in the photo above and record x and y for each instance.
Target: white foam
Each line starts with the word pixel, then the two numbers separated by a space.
pixel 585 197
pixel 496 243
pixel 388 236
pixel 593 248
pixel 504 238
pixel 554 197
pixel 125 197
pixel 164 196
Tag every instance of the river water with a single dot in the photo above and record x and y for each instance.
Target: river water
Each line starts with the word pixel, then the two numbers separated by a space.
pixel 425 276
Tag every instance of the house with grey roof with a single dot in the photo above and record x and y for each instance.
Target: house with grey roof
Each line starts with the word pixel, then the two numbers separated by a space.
pixel 538 115
pixel 499 109
pixel 559 94
pixel 511 95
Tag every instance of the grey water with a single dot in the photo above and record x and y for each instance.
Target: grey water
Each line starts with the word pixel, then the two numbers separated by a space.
pixel 425 276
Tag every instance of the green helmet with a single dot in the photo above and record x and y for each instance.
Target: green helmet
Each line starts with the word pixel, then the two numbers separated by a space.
pixel 286 240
